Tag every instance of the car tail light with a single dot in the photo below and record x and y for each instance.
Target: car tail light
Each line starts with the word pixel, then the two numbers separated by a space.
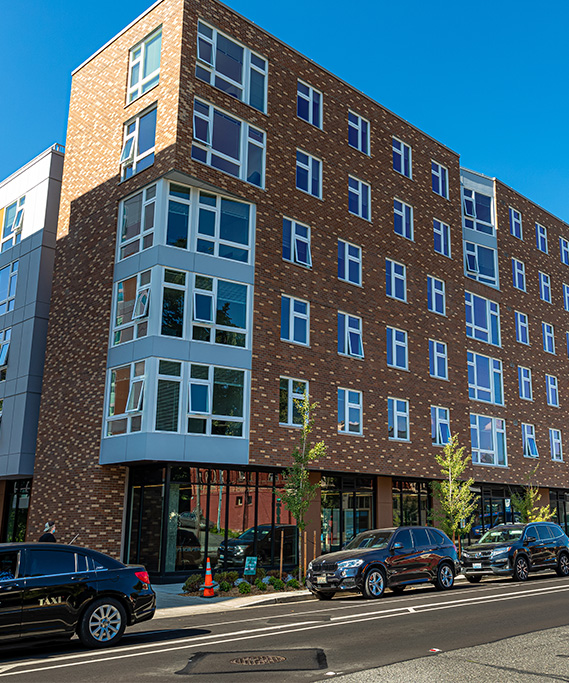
pixel 143 576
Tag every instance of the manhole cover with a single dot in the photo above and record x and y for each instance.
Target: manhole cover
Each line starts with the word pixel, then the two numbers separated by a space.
pixel 258 660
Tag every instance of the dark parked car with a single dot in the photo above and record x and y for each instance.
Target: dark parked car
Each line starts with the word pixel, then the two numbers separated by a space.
pixel 244 545
pixel 516 550
pixel 49 590
pixel 385 558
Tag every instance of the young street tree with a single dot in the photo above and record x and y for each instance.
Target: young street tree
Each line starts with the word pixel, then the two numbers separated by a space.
pixel 456 499
pixel 525 503
pixel 298 492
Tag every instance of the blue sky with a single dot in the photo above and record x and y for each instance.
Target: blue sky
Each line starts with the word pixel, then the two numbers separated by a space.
pixel 488 79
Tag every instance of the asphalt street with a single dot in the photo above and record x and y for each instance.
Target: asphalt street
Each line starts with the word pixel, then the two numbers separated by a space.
pixel 317 641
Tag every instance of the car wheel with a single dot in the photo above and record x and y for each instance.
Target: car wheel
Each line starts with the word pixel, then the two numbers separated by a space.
pixel 562 568
pixel 102 624
pixel 374 584
pixel 445 577
pixel 521 569
pixel 398 589
pixel 324 596
pixel 473 579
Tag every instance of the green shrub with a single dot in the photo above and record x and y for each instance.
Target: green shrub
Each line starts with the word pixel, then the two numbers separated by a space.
pixel 218 577
pixel 244 588
pixel 260 585
pixel 193 583
pixel 224 586
pixel 274 574
pixel 293 583
pixel 260 574
pixel 231 577
pixel 278 584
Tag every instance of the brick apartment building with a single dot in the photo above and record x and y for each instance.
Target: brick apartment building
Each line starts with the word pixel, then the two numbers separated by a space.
pixel 238 226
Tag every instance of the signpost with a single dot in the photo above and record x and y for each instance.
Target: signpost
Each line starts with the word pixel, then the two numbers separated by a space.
pixel 250 566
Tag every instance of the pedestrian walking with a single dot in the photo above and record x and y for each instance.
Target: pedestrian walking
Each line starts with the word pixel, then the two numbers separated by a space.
pixel 48 535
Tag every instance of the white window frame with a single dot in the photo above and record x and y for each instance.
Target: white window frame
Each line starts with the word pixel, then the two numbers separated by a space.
pixel 436 292
pixel 347 259
pixel 5 337
pixel 440 425
pixel 396 344
pixel 518 275
pixel 545 287
pixel 352 333
pixel 522 325
pixel 438 351
pixel 309 98
pixel 516 224
pixel 552 390
pixel 443 231
pixel 405 212
pixel 556 445
pixel 566 297
pixel 295 314
pixel 129 246
pixel 292 396
pixel 137 57
pixel 472 269
pixel 361 191
pixel 541 238
pixel 525 388
pixel 483 392
pixel 361 127
pixel 7 304
pixel 12 232
pixel 548 333
pixel 134 412
pixel 139 317
pixel 439 179
pixel 470 218
pixel 498 428
pixel 529 443
pixel 473 330
pixel 297 238
pixel 395 277
pixel 310 166
pixel 400 150
pixel 394 407
pixel 130 157
pixel 350 404
pixel 564 250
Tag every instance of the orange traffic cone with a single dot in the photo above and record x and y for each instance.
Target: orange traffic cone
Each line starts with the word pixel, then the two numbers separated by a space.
pixel 208 586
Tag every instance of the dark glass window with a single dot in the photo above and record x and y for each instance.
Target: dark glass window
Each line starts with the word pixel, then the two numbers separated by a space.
pixel 8 565
pixel 49 562
pixel 421 538
pixel 404 537
pixel 545 533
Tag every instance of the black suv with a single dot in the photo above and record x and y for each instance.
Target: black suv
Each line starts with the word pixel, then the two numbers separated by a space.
pixel 392 558
pixel 49 590
pixel 516 550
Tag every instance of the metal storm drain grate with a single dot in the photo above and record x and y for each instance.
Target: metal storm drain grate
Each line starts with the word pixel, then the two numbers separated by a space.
pixel 258 660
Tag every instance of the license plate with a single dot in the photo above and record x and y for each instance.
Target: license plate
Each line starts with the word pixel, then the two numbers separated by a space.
pixel 477 565
pixel 320 579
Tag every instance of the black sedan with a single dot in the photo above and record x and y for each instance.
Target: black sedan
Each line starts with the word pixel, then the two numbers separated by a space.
pixel 392 558
pixel 516 550
pixel 49 590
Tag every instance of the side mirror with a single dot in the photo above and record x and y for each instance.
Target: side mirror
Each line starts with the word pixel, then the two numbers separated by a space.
pixel 530 539
pixel 397 546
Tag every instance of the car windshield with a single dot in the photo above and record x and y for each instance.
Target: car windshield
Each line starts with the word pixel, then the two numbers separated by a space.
pixel 376 539
pixel 501 535
pixel 249 535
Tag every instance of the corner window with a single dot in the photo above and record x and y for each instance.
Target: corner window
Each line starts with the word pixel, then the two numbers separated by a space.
pixel 309 104
pixel 529 443
pixel 552 390
pixel 228 144
pixel 359 198
pixel 296 243
pixel 358 132
pixel 349 263
pixel 398 419
pixel 439 179
pixel 488 440
pixel 516 223
pixel 291 391
pixel 564 250
pixel 541 237
pixel 174 296
pixel 545 287
pixel 137 222
pixel 295 320
pixel 403 219
pixel 548 337
pixel 5 336
pixel 556 445
pixel 132 308
pixel 401 157
pixel 308 174
pixel 350 335
pixel 519 275
pixel 522 328
pixel 484 378
pixel 482 319
pixel 524 383
pixel 224 228
pixel 219 311
pixel 397 355
pixel 216 401
pixel 440 426
pixel 438 364
pixel 13 223
pixel 349 411
pixel 481 263
pixel 436 301
pixel 231 67
pixel 126 395
pixel 441 234
pixel 8 281
pixel 477 209
pixel 144 67
pixel 139 141
pixel 168 396
pixel 395 280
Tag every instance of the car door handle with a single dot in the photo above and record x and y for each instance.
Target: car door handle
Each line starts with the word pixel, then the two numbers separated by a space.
pixel 79 578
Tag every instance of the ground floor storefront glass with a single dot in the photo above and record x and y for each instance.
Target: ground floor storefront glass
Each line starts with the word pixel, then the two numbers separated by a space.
pixel 348 507
pixel 16 503
pixel 412 503
pixel 559 503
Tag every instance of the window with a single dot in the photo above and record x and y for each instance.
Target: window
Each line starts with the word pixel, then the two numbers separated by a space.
pixel 228 144
pixel 309 104
pixel 552 390
pixel 349 262
pixel 484 378
pixel 566 297
pixel 308 174
pixel 439 179
pixel 174 298
pixel 524 383
pixel 144 67
pixel 131 308
pixel 359 198
pixel 216 401
pixel 477 209
pixel 126 395
pixel 8 281
pixel 541 237
pixel 488 439
pixel 219 311
pixel 528 440
pixel 516 223
pixel 5 336
pixel 438 359
pixel 480 263
pixel 295 320
pixel 522 328
pixel 349 411
pixel 397 356
pixel 350 335
pixel 548 337
pixel 403 219
pixel 556 445
pixel 139 140
pixel 168 396
pixel 291 391
pixel 13 223
pixel 567 342
pixel 545 287
pixel 401 157
pixel 436 295
pixel 519 275
pixel 358 132
pixel 296 243
pixel 564 250
pixel 395 280
pixel 398 419
pixel 482 319
pixel 137 222
pixel 440 426
pixel 231 67
pixel 441 233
